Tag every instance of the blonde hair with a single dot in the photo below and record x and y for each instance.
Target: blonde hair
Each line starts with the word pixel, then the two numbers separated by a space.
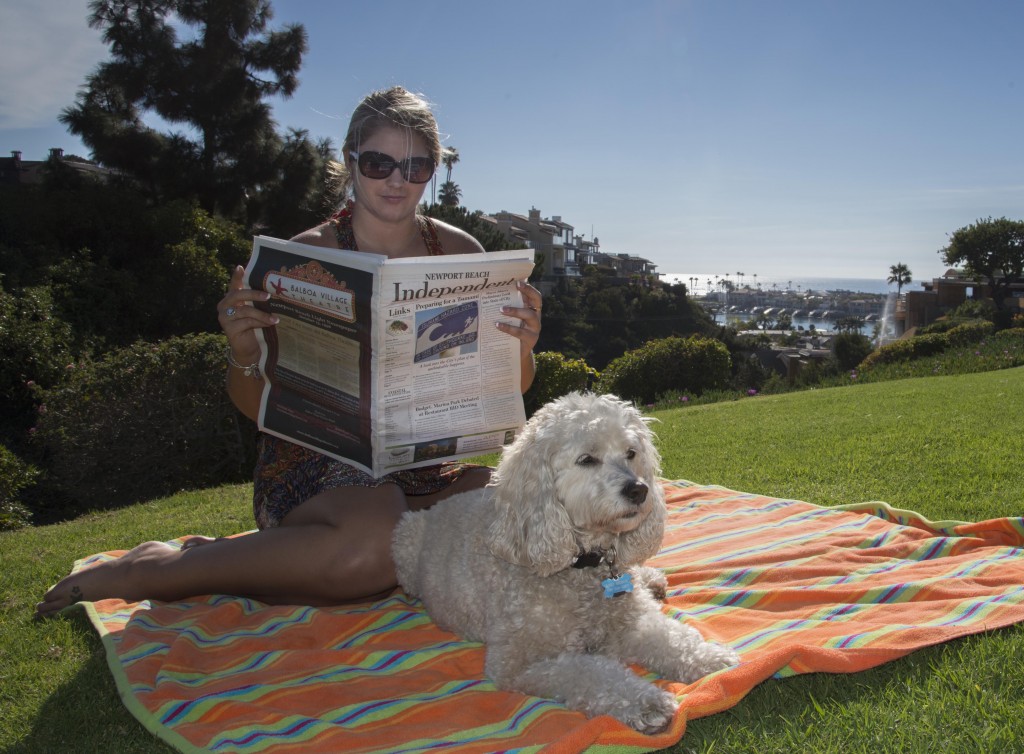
pixel 394 107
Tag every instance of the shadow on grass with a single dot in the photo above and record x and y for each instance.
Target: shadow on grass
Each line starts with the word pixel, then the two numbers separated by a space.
pixel 85 714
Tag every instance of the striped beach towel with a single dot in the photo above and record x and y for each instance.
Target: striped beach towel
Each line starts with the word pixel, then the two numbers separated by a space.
pixel 793 587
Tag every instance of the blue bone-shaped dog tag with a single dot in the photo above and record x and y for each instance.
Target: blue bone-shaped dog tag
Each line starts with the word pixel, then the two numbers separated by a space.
pixel 615 587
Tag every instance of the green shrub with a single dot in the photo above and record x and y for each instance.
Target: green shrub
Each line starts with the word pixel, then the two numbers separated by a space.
pixel 906 349
pixel 1001 350
pixel 970 332
pixel 99 301
pixel 929 344
pixel 850 349
pixel 969 312
pixel 748 372
pixel 118 270
pixel 15 475
pixel 35 348
pixel 143 421
pixel 948 324
pixel 693 364
pixel 193 267
pixel 556 376
pixel 939 326
pixel 983 308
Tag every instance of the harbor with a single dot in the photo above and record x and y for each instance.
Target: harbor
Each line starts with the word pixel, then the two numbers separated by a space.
pixel 811 304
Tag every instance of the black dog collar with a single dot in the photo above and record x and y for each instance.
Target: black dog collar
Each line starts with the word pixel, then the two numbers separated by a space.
pixel 615 585
pixel 591 559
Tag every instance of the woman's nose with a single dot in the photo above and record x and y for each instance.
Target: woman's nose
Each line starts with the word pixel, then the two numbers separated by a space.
pixel 396 178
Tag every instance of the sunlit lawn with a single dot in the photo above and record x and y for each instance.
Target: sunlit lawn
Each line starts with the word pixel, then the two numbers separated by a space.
pixel 948 447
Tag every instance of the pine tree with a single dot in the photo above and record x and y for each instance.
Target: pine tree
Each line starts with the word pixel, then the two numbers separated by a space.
pixel 207 68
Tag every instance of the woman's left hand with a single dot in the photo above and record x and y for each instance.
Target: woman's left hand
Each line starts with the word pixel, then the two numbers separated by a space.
pixel 528 329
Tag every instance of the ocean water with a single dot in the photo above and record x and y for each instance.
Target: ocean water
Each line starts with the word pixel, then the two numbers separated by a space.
pixel 768 283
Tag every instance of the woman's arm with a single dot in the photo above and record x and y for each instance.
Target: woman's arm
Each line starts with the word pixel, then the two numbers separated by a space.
pixel 240 319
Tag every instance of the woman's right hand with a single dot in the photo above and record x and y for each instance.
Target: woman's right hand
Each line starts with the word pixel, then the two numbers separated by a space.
pixel 239 319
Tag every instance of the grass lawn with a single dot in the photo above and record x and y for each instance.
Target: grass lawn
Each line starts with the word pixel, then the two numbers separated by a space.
pixel 947 447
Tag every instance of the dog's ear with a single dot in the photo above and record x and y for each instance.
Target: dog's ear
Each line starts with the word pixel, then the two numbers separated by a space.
pixel 644 542
pixel 531 527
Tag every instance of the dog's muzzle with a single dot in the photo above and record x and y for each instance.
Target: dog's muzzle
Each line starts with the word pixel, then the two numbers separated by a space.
pixel 635 492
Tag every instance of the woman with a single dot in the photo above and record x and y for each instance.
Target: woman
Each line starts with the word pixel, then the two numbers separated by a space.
pixel 325 527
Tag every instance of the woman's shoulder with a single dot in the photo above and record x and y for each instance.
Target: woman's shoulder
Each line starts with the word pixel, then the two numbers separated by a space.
pixel 322 235
pixel 455 240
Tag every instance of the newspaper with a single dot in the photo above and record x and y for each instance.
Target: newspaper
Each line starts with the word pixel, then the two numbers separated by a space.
pixel 389 364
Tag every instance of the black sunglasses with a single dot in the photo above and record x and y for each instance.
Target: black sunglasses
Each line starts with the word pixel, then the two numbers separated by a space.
pixel 378 166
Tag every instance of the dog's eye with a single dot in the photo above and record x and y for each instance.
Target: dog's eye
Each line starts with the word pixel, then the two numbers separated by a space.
pixel 630 454
pixel 586 460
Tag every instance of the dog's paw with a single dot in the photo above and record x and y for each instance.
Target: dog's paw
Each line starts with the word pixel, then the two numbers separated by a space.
pixel 706 659
pixel 651 713
pixel 715 657
pixel 653 579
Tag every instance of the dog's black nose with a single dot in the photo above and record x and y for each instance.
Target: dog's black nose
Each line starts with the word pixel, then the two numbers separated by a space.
pixel 635 492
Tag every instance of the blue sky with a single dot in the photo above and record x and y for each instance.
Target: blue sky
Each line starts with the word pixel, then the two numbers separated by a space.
pixel 784 138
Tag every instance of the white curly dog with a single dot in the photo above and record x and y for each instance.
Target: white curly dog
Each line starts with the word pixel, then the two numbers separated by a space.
pixel 541 566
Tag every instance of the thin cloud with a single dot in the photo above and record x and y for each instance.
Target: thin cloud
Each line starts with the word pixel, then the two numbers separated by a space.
pixel 46 51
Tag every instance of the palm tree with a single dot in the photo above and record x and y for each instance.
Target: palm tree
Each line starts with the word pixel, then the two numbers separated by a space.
pixel 899 274
pixel 451 156
pixel 450 194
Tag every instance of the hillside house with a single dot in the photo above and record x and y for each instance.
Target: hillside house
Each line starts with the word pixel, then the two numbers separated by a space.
pixel 565 253
pixel 944 294
pixel 14 171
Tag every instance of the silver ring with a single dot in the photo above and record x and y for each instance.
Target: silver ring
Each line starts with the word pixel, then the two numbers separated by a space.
pixel 230 311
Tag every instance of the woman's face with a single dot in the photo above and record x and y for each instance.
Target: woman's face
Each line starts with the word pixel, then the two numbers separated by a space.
pixel 392 198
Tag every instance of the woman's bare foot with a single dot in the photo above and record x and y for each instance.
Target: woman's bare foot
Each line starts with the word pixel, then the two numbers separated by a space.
pixel 124 578
pixel 197 540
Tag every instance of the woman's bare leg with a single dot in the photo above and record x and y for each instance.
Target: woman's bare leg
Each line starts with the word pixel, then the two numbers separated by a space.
pixel 334 548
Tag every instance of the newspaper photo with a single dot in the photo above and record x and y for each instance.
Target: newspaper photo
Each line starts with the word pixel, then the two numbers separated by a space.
pixel 389 364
